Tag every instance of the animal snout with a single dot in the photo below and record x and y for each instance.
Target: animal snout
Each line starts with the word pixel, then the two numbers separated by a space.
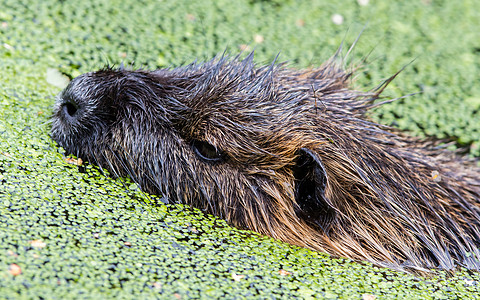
pixel 70 110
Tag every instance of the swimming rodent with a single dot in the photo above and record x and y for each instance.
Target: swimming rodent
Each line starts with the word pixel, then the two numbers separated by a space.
pixel 283 152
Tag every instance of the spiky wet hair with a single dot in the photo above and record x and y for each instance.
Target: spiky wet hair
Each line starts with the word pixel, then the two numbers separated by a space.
pixel 283 152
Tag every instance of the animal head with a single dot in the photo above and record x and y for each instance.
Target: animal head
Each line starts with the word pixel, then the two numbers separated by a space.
pixel 285 153
pixel 229 138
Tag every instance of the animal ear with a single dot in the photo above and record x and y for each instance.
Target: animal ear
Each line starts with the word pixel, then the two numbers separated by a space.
pixel 310 184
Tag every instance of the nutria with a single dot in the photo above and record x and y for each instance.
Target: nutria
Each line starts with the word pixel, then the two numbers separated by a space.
pixel 286 153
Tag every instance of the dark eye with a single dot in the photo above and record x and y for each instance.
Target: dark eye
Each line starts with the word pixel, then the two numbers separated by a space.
pixel 207 152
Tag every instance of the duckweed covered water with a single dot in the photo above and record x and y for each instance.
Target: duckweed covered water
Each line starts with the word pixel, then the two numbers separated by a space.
pixel 71 233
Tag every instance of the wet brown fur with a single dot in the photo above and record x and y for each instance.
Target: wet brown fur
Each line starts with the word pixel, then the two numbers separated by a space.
pixel 369 193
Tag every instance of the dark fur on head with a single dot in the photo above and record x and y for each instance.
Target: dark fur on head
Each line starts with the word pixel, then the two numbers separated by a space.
pixel 285 153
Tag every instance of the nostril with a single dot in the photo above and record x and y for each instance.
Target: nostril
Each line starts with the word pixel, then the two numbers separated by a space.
pixel 70 109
